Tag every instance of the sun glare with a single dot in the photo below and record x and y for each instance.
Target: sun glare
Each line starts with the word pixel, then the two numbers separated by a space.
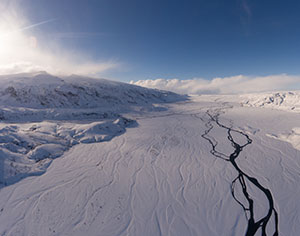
pixel 15 45
pixel 21 50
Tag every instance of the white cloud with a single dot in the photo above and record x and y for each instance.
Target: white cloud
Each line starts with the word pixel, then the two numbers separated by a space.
pixel 25 52
pixel 246 8
pixel 19 67
pixel 226 85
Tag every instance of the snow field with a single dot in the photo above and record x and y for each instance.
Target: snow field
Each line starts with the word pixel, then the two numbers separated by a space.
pixel 152 173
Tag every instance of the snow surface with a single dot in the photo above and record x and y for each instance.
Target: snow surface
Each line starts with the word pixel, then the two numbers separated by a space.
pixel 287 101
pixel 292 137
pixel 156 175
pixel 28 148
pixel 40 96
pixel 43 116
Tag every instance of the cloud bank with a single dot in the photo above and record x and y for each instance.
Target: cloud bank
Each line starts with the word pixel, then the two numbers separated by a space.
pixel 227 85
pixel 23 51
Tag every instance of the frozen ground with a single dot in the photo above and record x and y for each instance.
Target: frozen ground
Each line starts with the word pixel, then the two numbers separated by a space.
pixel 205 166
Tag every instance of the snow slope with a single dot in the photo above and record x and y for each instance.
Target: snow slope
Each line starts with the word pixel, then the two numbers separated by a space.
pixel 292 137
pixel 43 116
pixel 42 96
pixel 287 101
pixel 29 148
pixel 42 90
pixel 169 175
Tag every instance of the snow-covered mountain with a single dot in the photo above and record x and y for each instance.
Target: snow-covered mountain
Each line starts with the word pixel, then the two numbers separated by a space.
pixel 42 94
pixel 288 101
pixel 42 90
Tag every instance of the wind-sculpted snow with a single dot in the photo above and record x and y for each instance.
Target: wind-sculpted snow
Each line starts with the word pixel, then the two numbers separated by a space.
pixel 28 148
pixel 288 101
pixel 292 137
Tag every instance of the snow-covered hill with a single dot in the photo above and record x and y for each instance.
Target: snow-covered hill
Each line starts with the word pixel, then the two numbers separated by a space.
pixel 288 101
pixel 44 115
pixel 41 94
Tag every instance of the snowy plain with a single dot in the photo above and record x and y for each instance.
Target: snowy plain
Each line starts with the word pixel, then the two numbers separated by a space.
pixel 134 161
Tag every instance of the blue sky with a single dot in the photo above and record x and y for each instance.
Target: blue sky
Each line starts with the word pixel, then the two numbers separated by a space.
pixel 151 39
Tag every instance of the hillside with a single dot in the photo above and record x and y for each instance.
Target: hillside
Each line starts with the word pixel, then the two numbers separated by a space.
pixel 287 101
pixel 52 97
pixel 43 116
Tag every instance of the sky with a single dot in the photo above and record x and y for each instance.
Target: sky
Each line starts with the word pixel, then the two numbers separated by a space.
pixel 131 40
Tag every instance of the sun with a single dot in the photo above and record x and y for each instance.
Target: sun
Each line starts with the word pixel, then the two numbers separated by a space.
pixel 25 49
pixel 19 50
pixel 14 45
